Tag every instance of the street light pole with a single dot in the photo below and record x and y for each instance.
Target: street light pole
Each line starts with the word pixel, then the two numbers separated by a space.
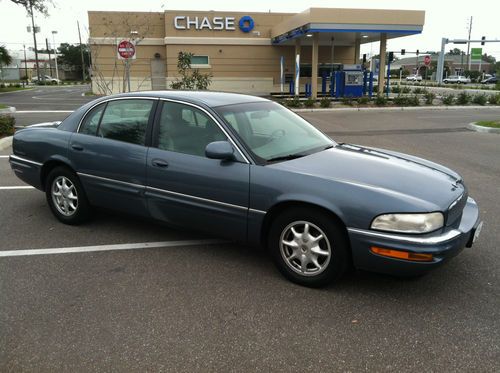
pixel 25 64
pixel 55 52
pixel 34 40
pixel 468 45
pixel 81 50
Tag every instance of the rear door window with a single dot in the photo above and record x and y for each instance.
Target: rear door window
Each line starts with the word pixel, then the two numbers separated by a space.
pixel 126 120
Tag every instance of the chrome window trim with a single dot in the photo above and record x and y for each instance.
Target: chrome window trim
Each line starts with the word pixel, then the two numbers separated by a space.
pixel 17 158
pixel 231 140
pixel 411 239
pixel 109 100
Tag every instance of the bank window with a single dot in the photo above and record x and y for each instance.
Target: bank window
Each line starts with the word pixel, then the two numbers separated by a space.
pixel 126 120
pixel 200 61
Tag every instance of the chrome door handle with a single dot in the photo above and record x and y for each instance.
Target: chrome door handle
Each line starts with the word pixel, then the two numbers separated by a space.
pixel 77 147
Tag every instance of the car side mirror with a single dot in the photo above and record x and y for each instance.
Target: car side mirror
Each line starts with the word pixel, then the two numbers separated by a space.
pixel 222 150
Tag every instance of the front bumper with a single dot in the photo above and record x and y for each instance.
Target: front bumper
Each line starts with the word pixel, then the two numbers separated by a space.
pixel 442 245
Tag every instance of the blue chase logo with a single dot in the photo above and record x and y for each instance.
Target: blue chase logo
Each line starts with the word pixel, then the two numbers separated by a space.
pixel 246 24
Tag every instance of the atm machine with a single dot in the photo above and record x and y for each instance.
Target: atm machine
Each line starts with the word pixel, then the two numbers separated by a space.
pixel 353 80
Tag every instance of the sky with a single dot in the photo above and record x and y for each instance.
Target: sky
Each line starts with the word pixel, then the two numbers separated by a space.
pixel 443 18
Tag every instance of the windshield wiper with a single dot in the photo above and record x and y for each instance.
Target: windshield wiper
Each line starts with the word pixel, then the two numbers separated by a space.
pixel 285 157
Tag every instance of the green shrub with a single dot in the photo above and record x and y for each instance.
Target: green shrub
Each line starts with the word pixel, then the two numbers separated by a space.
pixel 448 99
pixel 429 97
pixel 7 123
pixel 325 102
pixel 309 103
pixel 480 99
pixel 494 99
pixel 497 86
pixel 363 100
pixel 347 100
pixel 2 85
pixel 380 101
pixel 406 90
pixel 395 89
pixel 413 100
pixel 293 102
pixel 418 91
pixel 463 98
pixel 401 100
pixel 17 85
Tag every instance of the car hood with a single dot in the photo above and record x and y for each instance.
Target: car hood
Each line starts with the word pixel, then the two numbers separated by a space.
pixel 381 169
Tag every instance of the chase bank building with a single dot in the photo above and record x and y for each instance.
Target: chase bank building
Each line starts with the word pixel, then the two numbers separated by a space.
pixel 257 53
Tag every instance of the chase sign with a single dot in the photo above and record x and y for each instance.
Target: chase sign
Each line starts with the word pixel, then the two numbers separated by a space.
pixel 245 23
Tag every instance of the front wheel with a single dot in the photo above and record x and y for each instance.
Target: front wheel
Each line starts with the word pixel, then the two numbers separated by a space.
pixel 66 197
pixel 309 247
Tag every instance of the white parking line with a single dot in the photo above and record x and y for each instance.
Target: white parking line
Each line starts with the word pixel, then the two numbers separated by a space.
pixel 131 246
pixel 16 187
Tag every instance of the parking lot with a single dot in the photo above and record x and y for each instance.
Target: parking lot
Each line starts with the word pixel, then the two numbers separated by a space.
pixel 193 303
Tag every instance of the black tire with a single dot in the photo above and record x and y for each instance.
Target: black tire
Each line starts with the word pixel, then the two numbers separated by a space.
pixel 82 210
pixel 336 241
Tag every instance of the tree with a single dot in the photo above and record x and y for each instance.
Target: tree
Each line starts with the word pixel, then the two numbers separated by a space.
pixel 454 52
pixel 5 57
pixel 38 5
pixel 70 55
pixel 189 78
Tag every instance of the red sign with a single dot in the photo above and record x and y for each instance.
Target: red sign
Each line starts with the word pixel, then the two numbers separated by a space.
pixel 126 49
pixel 427 60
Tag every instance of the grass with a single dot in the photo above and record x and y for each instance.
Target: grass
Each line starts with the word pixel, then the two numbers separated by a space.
pixel 2 106
pixel 11 89
pixel 489 123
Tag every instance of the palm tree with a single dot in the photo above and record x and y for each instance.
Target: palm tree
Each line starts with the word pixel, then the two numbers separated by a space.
pixel 5 57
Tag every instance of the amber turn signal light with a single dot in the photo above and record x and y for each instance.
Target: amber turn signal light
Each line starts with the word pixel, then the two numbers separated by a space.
pixel 398 254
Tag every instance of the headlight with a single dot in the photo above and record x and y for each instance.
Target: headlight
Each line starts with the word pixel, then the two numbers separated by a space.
pixel 409 223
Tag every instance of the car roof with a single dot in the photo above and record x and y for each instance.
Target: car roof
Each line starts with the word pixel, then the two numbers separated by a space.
pixel 208 98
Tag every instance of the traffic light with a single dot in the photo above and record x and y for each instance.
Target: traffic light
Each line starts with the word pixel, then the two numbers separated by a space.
pixel 403 51
pixel 483 38
pixel 391 56
pixel 417 52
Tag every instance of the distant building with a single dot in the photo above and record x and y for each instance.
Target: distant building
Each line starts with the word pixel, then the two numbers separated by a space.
pixel 457 64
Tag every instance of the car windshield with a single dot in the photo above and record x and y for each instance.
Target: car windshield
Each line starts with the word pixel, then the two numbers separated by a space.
pixel 273 133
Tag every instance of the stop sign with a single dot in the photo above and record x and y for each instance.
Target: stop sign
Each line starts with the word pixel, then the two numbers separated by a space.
pixel 126 49
pixel 427 60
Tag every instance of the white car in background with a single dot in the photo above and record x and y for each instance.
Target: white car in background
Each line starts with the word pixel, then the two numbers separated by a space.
pixel 456 79
pixel 47 79
pixel 414 78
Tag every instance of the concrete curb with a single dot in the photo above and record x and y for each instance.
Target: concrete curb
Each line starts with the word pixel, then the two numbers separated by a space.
pixel 9 110
pixel 399 108
pixel 474 127
pixel 5 142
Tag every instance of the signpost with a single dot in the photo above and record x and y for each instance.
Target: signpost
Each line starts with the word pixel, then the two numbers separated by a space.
pixel 126 51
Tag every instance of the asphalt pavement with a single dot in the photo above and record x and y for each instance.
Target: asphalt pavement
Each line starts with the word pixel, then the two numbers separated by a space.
pixel 224 307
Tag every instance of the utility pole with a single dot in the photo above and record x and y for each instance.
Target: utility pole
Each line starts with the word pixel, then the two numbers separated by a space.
pixel 468 45
pixel 50 58
pixel 34 40
pixel 55 52
pixel 81 51
pixel 25 64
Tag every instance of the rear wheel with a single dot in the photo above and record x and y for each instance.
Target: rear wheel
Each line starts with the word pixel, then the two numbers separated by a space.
pixel 66 197
pixel 308 246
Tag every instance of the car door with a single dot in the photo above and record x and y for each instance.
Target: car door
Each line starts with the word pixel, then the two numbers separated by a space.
pixel 109 153
pixel 184 186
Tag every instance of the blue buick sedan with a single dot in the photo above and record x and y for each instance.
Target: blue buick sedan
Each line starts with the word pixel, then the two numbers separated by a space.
pixel 250 170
